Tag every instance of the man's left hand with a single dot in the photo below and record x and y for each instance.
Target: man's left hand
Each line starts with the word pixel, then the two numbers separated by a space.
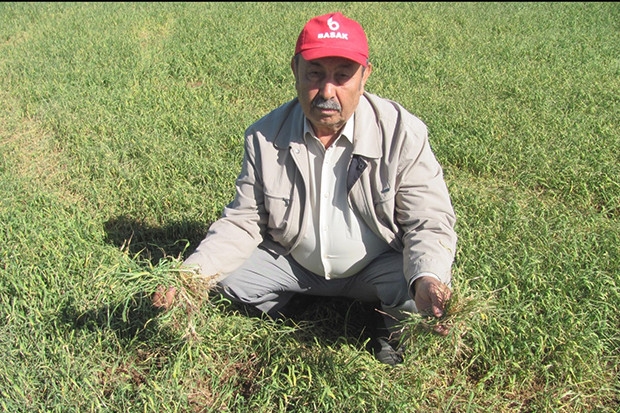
pixel 431 296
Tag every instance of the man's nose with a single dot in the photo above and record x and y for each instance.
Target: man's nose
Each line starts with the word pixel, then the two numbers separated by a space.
pixel 328 89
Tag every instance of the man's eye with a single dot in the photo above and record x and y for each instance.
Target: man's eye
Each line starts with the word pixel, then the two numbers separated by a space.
pixel 314 76
pixel 343 77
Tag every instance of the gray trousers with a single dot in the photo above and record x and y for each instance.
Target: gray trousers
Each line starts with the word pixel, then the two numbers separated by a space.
pixel 268 281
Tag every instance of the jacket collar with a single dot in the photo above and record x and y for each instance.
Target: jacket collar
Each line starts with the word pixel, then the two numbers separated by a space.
pixel 367 136
pixel 292 130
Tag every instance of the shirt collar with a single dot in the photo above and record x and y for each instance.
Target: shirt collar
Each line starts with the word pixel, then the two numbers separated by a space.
pixel 347 131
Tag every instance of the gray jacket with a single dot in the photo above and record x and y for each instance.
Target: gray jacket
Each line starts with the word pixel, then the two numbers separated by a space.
pixel 394 181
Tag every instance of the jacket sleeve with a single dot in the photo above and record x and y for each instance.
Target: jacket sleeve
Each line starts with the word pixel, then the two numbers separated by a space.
pixel 233 237
pixel 423 208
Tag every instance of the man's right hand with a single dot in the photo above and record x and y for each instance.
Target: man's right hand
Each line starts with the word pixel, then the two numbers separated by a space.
pixel 164 297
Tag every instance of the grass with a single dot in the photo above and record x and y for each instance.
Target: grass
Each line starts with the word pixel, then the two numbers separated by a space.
pixel 120 138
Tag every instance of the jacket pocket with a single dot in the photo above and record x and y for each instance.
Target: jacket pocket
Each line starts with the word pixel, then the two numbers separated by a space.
pixel 384 205
pixel 278 210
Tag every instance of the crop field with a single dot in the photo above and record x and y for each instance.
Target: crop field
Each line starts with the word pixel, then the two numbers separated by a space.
pixel 121 135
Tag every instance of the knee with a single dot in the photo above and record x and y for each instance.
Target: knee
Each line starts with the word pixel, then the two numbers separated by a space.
pixel 399 305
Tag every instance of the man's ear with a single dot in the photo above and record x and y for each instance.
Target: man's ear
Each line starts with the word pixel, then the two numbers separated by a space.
pixel 367 72
pixel 294 66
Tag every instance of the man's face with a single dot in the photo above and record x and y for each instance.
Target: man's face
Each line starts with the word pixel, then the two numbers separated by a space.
pixel 329 90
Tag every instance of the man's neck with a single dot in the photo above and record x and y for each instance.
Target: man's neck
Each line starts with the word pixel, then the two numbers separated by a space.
pixel 327 136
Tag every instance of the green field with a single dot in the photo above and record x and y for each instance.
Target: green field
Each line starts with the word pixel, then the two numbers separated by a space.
pixel 121 130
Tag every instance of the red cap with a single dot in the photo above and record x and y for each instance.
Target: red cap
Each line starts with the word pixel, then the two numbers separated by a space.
pixel 333 35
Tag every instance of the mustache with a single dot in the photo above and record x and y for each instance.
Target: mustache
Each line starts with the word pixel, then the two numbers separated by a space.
pixel 321 103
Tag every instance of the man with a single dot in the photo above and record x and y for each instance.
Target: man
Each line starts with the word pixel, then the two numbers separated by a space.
pixel 339 194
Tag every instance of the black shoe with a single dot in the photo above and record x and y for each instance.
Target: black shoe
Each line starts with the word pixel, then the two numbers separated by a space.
pixel 385 352
pixel 386 343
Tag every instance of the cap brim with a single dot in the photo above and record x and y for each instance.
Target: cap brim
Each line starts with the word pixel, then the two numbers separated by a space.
pixel 322 52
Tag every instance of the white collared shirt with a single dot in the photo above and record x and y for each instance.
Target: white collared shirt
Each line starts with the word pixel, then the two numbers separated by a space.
pixel 336 244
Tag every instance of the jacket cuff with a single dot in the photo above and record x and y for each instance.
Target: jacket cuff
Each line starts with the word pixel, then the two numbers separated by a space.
pixel 411 288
